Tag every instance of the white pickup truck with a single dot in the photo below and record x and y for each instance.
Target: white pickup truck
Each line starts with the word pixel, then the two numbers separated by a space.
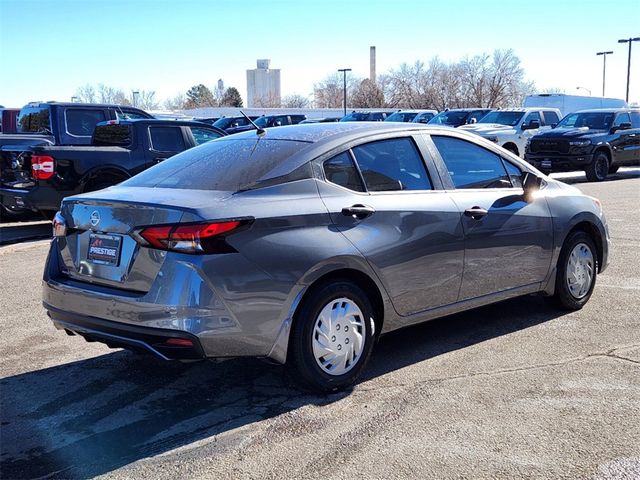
pixel 512 128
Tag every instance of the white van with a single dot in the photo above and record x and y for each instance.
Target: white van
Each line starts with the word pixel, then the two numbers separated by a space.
pixel 571 103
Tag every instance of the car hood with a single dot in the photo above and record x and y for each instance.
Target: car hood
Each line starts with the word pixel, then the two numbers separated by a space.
pixel 582 132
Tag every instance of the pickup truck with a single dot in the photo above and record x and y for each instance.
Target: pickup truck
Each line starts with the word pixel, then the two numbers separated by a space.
pixel 598 141
pixel 512 128
pixel 39 177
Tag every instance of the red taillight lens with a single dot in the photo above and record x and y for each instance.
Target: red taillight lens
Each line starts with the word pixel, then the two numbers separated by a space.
pixel 179 342
pixel 189 238
pixel 42 167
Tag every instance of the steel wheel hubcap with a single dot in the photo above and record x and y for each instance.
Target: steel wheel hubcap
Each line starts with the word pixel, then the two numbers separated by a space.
pixel 338 336
pixel 580 269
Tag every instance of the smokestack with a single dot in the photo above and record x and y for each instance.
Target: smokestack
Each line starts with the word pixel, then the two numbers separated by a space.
pixel 372 64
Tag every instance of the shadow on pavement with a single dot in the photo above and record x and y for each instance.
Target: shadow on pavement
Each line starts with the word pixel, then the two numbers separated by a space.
pixel 580 177
pixel 93 416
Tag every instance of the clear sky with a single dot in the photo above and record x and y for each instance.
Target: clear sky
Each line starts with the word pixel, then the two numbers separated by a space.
pixel 49 48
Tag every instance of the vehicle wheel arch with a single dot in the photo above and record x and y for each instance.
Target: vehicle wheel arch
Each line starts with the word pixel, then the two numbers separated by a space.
pixel 512 147
pixel 592 230
pixel 102 175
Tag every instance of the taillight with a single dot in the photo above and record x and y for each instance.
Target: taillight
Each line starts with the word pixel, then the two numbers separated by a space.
pixel 196 238
pixel 59 225
pixel 42 167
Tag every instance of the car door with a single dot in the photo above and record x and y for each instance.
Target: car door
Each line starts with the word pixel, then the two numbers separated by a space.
pixel 623 140
pixel 382 199
pixel 164 142
pixel 508 241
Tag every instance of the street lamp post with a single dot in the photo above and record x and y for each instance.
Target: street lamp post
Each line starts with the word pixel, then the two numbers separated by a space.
pixel 604 67
pixel 74 99
pixel 135 98
pixel 344 86
pixel 584 88
pixel 629 40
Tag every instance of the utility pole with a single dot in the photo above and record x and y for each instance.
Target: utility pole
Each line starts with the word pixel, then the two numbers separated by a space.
pixel 604 67
pixel 344 87
pixel 629 41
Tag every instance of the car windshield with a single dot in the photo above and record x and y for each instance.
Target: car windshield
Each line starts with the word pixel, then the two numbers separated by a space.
pixel 401 117
pixel 262 122
pixel 355 116
pixel 591 120
pixel 225 164
pixel 225 122
pixel 449 118
pixel 503 118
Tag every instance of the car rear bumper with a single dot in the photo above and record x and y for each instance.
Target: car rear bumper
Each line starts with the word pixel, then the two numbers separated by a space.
pixel 165 344
pixel 558 163
pixel 40 198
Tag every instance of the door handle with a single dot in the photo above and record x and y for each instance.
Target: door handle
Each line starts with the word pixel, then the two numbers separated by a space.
pixel 475 212
pixel 358 211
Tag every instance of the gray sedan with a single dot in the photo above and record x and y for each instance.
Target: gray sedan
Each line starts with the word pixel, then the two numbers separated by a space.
pixel 305 243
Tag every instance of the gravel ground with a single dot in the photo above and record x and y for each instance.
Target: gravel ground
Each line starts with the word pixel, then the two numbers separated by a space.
pixel 514 390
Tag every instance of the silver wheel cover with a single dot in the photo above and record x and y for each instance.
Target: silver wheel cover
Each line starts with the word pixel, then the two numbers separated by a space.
pixel 580 271
pixel 338 336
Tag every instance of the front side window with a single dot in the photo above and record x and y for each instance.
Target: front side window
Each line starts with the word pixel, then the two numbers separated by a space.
pixel 635 119
pixel 471 166
pixel 550 118
pixel 341 171
pixel 81 122
pixel 166 139
pixel 532 116
pixel 393 164
pixel 515 174
pixel 202 135
pixel 128 115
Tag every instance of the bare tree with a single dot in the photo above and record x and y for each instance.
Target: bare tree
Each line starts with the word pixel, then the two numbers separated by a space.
pixel 86 94
pixel 175 103
pixel 112 95
pixel 329 93
pixel 367 95
pixel 146 100
pixel 295 101
pixel 270 100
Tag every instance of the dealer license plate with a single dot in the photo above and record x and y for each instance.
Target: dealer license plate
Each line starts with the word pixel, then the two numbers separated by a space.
pixel 104 249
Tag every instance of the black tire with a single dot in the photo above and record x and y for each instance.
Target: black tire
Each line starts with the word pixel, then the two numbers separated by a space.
pixel 563 297
pixel 613 168
pixel 301 360
pixel 598 169
pixel 512 148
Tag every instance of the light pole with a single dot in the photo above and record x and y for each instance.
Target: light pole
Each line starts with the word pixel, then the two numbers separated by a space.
pixel 74 99
pixel 604 66
pixel 584 88
pixel 344 86
pixel 629 40
pixel 135 98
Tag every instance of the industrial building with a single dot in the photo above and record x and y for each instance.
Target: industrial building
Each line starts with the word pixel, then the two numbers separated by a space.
pixel 263 86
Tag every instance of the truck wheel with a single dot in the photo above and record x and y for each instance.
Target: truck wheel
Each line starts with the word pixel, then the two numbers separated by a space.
pixel 599 167
pixel 576 272
pixel 512 148
pixel 613 168
pixel 332 337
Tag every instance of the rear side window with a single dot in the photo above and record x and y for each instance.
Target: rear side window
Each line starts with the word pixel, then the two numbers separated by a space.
pixel 550 117
pixel 117 134
pixel 81 121
pixel 166 139
pixel 34 120
pixel 635 119
pixel 203 135
pixel 128 115
pixel 471 166
pixel 227 165
pixel 622 118
pixel 342 171
pixel 393 164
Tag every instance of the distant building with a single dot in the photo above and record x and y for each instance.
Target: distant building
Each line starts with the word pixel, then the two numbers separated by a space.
pixel 263 86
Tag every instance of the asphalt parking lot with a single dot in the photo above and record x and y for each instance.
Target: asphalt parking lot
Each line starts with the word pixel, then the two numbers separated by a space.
pixel 514 390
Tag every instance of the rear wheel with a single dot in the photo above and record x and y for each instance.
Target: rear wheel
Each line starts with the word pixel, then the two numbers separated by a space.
pixel 576 272
pixel 598 168
pixel 332 336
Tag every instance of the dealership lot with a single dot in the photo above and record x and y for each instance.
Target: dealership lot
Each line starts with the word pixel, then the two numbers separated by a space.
pixel 516 389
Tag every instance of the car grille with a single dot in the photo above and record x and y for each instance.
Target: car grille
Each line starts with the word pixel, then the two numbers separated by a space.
pixel 539 145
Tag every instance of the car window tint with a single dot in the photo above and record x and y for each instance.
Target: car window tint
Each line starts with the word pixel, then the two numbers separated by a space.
pixel 635 119
pixel 622 118
pixel 550 117
pixel 342 171
pixel 532 116
pixel 471 166
pixel 515 174
pixel 202 135
pixel 166 139
pixel 393 164
pixel 81 122
pixel 127 115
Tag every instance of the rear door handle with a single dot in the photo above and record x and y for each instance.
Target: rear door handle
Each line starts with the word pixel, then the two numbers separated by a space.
pixel 358 211
pixel 475 212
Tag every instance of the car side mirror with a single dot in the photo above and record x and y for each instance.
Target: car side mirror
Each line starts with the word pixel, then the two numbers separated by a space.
pixel 533 124
pixel 622 126
pixel 472 121
pixel 530 184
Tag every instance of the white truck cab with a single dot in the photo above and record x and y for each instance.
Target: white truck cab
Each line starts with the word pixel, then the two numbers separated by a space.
pixel 512 128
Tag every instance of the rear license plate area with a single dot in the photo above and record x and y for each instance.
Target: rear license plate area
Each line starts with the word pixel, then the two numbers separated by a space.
pixel 104 249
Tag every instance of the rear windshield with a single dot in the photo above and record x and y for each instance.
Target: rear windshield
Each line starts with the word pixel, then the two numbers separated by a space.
pixel 225 164
pixel 34 120
pixel 449 118
pixel 118 135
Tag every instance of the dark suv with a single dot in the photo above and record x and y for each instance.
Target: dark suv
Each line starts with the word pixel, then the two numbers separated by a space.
pixel 597 141
pixel 456 117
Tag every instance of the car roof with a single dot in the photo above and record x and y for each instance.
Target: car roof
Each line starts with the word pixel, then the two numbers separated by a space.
pixel 162 121
pixel 607 110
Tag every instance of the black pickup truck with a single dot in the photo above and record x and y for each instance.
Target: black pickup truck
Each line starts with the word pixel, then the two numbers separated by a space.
pixel 39 177
pixel 597 141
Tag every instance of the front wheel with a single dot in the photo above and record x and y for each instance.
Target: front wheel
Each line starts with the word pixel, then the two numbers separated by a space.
pixel 332 336
pixel 576 272
pixel 598 169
